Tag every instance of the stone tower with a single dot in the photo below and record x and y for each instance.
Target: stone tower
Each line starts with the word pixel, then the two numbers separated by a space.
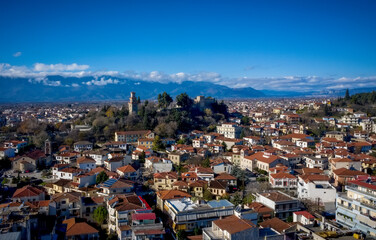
pixel 132 105
pixel 48 147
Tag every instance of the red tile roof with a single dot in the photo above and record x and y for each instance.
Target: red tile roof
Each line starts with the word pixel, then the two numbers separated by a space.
pixel 305 214
pixel 344 172
pixel 126 169
pixel 282 175
pixel 75 228
pixel 27 191
pixel 172 194
pixel 276 224
pixel 233 224
pixel 85 159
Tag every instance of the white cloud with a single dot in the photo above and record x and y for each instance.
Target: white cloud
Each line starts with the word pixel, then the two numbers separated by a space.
pixel 17 54
pixel 40 72
pixel 101 82
pixel 7 70
pixel 41 67
pixel 45 81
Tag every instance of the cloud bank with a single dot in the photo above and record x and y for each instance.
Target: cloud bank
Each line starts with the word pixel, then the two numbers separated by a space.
pixel 40 72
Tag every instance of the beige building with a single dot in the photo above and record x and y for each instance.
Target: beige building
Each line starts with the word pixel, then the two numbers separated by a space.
pixel 164 180
pixel 24 164
pixel 335 134
pixel 178 157
pixel 356 207
pixel 133 136
pixel 229 130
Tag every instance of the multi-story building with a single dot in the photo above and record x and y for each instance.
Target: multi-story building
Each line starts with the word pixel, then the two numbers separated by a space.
pixel 146 142
pixel 335 134
pixel 16 145
pixel 82 146
pixel 317 162
pixel 65 172
pixel 350 120
pixel 164 195
pixel 86 163
pixel 232 228
pixel 178 157
pixel 67 203
pixel 98 155
pixel 133 136
pixel 116 186
pixel 164 180
pixel 282 204
pixel 67 157
pixel 356 208
pixel 316 188
pixel 187 215
pixel 28 194
pixel 229 130
pixel 282 180
pixel 121 207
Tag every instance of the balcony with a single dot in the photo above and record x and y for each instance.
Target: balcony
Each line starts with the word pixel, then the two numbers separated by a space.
pixel 369 205
pixel 344 206
pixel 345 197
pixel 344 220
pixel 361 191
pixel 365 219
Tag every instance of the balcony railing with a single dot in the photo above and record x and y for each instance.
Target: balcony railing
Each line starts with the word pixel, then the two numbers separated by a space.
pixel 344 206
pixel 367 204
pixel 361 191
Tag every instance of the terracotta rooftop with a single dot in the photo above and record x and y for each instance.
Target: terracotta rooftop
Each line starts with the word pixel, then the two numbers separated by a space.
pixel 314 177
pixel 277 196
pixel 225 176
pixel 260 156
pixel 282 175
pixel 75 228
pixel 344 172
pixel 27 191
pixel 172 194
pixel 126 202
pixel 276 224
pixel 164 175
pixel 85 159
pixel 259 207
pixel 126 169
pixel 233 224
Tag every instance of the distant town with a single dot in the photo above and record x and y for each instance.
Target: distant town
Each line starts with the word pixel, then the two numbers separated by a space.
pixel 190 167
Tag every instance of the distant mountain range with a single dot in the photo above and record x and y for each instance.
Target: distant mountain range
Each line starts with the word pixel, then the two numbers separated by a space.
pixel 58 88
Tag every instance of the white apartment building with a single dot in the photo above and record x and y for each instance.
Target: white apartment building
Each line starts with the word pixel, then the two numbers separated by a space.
pixel 99 156
pixel 317 162
pixel 229 130
pixel 316 188
pixel 356 208
pixel 350 120
pixel 282 204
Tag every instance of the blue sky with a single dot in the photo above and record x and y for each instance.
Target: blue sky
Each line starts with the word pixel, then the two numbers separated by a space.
pixel 235 39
